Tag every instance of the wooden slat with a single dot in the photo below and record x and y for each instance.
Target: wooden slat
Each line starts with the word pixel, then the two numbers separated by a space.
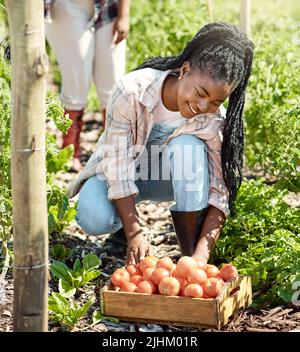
pixel 228 304
pixel 158 307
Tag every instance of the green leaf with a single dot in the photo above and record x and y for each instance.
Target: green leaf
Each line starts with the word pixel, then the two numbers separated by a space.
pixel 61 302
pixel 97 317
pixel 83 310
pixel 60 270
pixel 77 266
pixel 51 223
pixel 90 262
pixel 65 289
pixel 89 276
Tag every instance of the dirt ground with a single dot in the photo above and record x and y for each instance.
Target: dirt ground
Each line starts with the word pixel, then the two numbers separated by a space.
pixel 157 225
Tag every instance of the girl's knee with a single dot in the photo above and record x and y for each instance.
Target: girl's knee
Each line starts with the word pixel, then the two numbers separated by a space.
pixel 93 220
pixel 187 146
pixel 95 213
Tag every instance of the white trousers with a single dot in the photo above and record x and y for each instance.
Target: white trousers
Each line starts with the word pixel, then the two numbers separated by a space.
pixel 83 54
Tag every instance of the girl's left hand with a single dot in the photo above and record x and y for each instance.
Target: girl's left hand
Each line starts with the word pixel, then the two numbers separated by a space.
pixel 120 29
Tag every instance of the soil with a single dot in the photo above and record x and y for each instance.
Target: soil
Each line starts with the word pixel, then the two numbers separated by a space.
pixel 157 225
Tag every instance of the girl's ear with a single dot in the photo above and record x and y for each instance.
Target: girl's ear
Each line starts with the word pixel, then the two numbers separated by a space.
pixel 184 69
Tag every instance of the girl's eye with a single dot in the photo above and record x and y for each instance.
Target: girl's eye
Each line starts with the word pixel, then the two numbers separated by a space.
pixel 200 95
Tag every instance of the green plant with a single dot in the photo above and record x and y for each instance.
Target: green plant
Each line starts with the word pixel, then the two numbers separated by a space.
pixel 66 312
pixel 5 181
pixel 166 26
pixel 97 317
pixel 80 274
pixel 60 252
pixel 60 212
pixel 274 265
pixel 280 155
pixel 272 109
pixel 263 240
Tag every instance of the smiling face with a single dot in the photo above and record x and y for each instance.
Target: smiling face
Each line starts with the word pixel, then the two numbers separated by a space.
pixel 197 93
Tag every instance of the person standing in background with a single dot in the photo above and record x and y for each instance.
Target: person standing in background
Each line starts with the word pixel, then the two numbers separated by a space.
pixel 88 40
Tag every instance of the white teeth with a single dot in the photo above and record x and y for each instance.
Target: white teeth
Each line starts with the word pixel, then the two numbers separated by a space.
pixel 195 112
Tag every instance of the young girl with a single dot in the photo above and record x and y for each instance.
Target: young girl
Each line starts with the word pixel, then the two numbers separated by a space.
pixel 166 116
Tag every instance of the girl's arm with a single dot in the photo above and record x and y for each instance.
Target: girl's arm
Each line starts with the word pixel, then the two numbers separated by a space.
pixel 138 247
pixel 124 8
pixel 211 230
pixel 121 25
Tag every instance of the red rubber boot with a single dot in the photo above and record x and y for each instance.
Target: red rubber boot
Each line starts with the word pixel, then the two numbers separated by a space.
pixel 73 136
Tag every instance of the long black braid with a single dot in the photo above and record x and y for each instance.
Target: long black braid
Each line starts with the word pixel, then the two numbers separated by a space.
pixel 226 53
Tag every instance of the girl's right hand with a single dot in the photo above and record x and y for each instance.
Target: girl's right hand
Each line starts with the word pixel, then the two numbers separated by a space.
pixel 138 248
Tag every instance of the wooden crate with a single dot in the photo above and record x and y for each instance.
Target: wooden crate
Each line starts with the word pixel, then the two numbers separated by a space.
pixel 175 310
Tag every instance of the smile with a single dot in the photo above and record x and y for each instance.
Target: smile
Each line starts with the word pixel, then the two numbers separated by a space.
pixel 195 112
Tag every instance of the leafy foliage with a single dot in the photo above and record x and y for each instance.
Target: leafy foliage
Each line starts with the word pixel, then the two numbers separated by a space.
pixel 64 309
pixel 82 272
pixel 272 114
pixel 66 312
pixel 263 240
pixel 60 252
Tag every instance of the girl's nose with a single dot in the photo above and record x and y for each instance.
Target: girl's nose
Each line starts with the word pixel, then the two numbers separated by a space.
pixel 203 106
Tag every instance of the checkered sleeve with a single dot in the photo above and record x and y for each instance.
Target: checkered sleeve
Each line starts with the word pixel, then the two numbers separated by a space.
pixel 118 150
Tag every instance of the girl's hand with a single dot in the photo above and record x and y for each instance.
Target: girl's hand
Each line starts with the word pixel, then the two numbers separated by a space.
pixel 138 248
pixel 120 29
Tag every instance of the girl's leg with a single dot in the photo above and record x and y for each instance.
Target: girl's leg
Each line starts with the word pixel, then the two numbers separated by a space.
pixel 187 156
pixel 96 214
pixel 109 63
pixel 185 176
pixel 190 178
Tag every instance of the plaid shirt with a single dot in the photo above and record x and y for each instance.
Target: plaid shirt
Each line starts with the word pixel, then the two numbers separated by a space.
pixel 130 119
pixel 105 11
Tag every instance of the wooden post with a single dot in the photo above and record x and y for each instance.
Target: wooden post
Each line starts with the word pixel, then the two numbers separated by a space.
pixel 245 16
pixel 30 226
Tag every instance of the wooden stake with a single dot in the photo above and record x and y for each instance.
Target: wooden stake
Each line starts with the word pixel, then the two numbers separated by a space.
pixel 245 16
pixel 30 227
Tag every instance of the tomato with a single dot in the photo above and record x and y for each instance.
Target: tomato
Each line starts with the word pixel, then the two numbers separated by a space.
pixel 120 276
pixel 196 276
pixel 128 287
pixel 212 286
pixel 169 286
pixel 148 262
pixel 136 279
pixel 211 270
pixel 146 286
pixel 147 273
pixel 228 272
pixel 158 274
pixel 183 282
pixel 193 290
pixel 184 265
pixel 165 263
pixel 133 270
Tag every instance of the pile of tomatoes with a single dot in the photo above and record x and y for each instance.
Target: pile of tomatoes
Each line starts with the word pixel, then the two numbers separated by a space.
pixel 189 278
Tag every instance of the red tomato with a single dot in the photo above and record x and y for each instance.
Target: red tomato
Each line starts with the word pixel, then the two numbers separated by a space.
pixel 228 272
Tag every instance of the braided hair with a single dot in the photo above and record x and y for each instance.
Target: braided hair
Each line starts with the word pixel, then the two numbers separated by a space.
pixel 226 53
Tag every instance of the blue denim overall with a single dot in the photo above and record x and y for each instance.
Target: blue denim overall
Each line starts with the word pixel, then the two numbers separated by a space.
pixel 97 215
